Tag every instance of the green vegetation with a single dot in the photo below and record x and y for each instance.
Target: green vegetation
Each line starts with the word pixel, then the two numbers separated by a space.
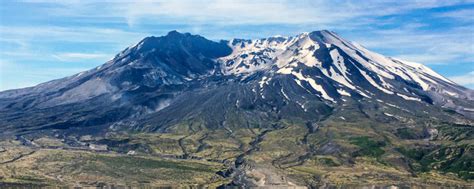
pixel 456 133
pixel 368 147
pixel 409 133
pixel 454 159
pixel 348 148
pixel 414 153
pixel 328 162
pixel 121 162
pixel 65 167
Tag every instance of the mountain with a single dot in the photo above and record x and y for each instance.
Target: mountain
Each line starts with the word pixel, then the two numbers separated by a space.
pixel 286 111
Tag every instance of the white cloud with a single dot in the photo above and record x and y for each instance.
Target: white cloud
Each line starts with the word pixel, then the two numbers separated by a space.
pixel 466 79
pixel 318 12
pixel 12 78
pixel 35 44
pixel 263 12
pixel 463 14
pixel 124 22
pixel 428 59
pixel 67 34
pixel 66 57
pixel 427 47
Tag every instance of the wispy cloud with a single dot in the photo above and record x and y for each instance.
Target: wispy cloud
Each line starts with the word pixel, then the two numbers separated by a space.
pixel 235 11
pixel 14 75
pixel 67 34
pixel 428 58
pixel 81 56
pixel 434 32
pixel 428 47
pixel 318 12
pixel 466 79
pixel 462 15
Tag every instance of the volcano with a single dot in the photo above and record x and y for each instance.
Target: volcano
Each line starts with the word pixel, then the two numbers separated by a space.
pixel 278 111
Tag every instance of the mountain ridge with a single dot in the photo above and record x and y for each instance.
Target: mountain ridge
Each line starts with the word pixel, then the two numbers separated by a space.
pixel 267 107
pixel 336 68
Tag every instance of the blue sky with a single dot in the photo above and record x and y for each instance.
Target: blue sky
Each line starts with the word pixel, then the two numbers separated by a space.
pixel 45 40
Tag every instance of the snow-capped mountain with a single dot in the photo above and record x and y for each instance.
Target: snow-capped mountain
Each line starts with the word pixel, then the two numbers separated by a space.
pixel 169 79
pixel 343 68
pixel 340 61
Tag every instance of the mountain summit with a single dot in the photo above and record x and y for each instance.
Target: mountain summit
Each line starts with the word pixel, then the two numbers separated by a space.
pixel 286 100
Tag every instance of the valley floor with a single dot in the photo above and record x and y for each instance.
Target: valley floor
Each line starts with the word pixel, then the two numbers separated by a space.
pixel 286 157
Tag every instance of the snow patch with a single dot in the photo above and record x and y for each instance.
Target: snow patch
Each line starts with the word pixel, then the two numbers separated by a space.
pixel 373 83
pixel 264 81
pixel 314 85
pixel 284 94
pixel 408 97
pixel 343 92
pixel 286 70
pixel 387 114
pixel 363 94
pixel 450 93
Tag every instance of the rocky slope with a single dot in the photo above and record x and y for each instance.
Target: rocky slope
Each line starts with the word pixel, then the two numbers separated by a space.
pixel 265 109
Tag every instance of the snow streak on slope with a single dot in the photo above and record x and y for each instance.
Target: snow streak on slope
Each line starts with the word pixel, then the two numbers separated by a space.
pixel 349 65
pixel 313 84
pixel 343 79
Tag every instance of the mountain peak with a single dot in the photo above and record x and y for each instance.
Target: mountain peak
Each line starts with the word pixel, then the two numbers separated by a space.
pixel 174 32
pixel 324 36
pixel 171 57
pixel 176 41
pixel 171 36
